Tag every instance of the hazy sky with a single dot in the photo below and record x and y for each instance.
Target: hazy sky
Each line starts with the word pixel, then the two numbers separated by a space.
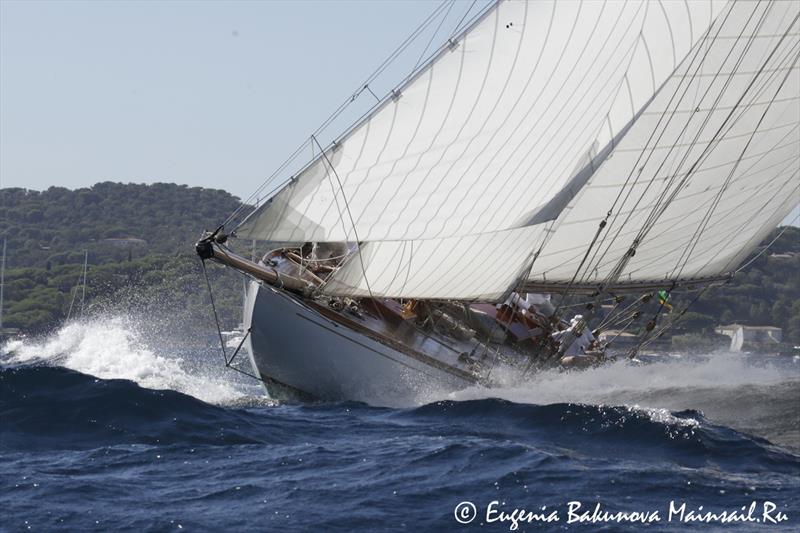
pixel 208 93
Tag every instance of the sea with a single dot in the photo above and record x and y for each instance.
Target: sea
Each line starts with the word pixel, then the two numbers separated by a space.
pixel 106 427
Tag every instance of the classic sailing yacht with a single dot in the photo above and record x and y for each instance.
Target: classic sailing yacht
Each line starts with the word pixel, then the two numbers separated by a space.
pixel 547 149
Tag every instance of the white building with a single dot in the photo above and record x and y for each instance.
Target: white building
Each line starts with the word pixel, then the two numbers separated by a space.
pixel 751 337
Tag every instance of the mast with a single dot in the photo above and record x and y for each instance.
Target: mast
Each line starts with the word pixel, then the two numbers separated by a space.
pixel 81 283
pixel 85 265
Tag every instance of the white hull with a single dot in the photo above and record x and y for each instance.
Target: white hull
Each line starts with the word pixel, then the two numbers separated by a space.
pixel 299 352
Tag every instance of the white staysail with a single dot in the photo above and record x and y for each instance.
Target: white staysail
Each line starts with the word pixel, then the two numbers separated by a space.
pixel 474 267
pixel 491 130
pixel 707 171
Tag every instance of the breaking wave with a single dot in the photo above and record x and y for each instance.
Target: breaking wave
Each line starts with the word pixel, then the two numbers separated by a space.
pixel 116 348
pixel 755 394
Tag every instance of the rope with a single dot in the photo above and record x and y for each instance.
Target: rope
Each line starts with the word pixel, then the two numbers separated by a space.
pixel 413 36
pixel 650 325
pixel 228 362
pixel 349 214
pixel 664 115
pixel 666 199
pixel 759 254
pixel 214 310
pixel 583 261
pixel 670 324
pixel 433 36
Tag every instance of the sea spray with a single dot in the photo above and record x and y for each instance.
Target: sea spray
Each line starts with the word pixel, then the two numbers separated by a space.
pixel 752 394
pixel 117 347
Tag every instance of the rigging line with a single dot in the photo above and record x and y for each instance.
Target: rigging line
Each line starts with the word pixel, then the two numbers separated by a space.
pixel 214 309
pixel 583 261
pixel 435 32
pixel 400 48
pixel 638 302
pixel 74 294
pixel 458 26
pixel 349 214
pixel 411 77
pixel 620 331
pixel 722 190
pixel 727 80
pixel 767 247
pixel 665 199
pixel 664 115
pixel 85 268
pixel 617 320
pixel 712 144
pixel 248 374
pixel 674 320
pixel 650 325
pixel 658 209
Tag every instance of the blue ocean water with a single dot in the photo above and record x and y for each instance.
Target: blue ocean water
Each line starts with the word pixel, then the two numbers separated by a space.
pixel 176 445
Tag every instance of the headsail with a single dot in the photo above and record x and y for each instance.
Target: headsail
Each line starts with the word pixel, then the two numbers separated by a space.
pixel 491 129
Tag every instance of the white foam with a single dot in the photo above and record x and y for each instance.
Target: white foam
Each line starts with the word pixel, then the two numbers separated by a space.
pixel 620 381
pixel 112 348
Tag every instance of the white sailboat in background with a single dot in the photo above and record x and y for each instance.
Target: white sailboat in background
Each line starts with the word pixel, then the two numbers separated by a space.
pixel 548 148
pixel 4 332
pixel 80 286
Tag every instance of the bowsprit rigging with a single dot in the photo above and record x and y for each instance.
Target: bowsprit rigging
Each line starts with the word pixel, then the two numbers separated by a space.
pixel 546 152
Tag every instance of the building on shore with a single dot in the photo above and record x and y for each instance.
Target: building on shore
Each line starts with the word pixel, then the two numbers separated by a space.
pixel 755 338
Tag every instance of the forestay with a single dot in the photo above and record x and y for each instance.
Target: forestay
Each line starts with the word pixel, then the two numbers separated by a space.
pixel 491 130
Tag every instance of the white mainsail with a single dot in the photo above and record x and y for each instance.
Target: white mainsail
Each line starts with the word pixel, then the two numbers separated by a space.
pixel 683 117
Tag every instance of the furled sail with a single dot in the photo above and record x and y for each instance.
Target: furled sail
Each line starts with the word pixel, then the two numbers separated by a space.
pixel 708 170
pixel 491 130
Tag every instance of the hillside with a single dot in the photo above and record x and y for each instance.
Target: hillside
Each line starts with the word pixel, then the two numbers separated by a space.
pixel 767 292
pixel 109 219
pixel 139 240
pixel 140 244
